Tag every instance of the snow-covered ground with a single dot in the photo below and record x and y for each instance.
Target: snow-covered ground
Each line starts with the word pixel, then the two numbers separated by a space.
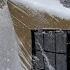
pixel 9 59
pixel 52 7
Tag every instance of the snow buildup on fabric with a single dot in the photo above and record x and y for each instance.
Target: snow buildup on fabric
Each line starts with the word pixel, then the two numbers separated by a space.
pixel 52 7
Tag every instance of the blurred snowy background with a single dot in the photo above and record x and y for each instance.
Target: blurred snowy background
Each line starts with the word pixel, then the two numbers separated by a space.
pixel 9 59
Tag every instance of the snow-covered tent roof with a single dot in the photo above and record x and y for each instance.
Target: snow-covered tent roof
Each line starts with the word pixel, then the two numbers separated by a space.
pixel 52 7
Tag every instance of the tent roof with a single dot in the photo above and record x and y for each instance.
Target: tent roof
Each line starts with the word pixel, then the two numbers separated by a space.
pixel 52 7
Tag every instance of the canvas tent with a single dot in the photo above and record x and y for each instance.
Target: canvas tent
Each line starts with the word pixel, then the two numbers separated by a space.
pixel 29 15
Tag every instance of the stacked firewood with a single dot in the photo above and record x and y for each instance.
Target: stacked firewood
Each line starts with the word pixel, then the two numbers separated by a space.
pixel 65 3
pixel 2 3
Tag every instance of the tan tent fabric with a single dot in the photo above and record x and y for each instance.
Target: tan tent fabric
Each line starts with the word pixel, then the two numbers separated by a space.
pixel 26 20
